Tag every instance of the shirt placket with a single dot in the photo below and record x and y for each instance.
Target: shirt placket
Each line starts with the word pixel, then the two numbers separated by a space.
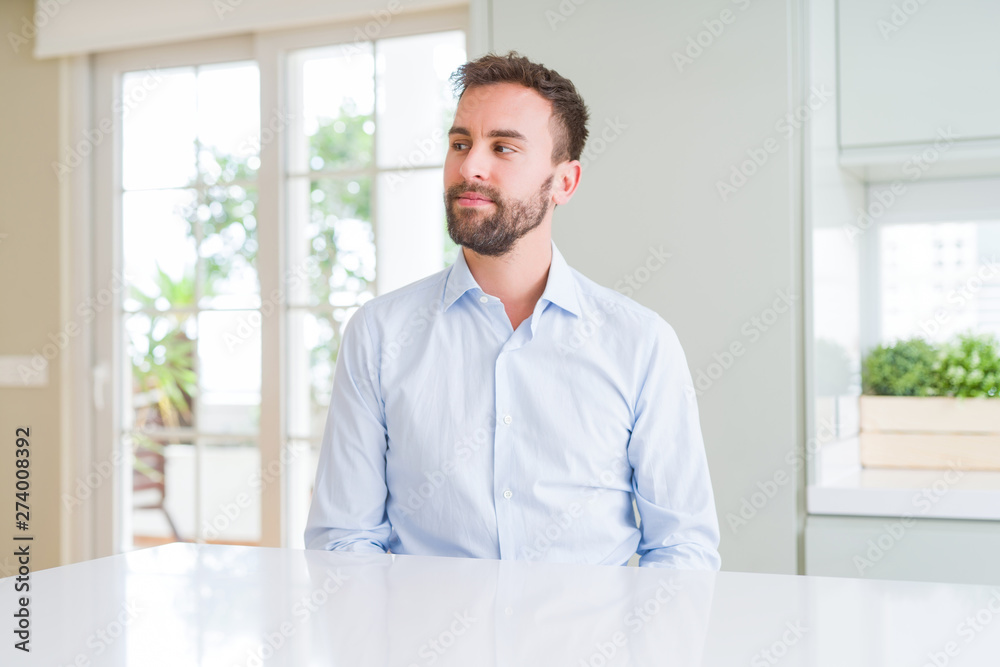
pixel 506 493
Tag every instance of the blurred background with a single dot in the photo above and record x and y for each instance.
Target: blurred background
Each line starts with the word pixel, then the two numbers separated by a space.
pixel 197 197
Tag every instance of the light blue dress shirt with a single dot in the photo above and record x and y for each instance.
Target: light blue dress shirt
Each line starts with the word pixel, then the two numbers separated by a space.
pixel 451 434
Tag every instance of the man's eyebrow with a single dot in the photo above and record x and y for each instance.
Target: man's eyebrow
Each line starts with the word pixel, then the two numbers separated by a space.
pixel 507 134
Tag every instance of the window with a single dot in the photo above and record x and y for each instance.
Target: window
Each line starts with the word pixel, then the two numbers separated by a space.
pixel 189 169
pixel 939 279
pixel 263 188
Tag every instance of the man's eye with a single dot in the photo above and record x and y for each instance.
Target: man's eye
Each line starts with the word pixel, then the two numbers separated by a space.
pixel 459 145
pixel 505 148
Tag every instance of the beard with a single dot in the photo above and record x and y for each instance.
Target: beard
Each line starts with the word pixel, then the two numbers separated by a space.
pixel 494 234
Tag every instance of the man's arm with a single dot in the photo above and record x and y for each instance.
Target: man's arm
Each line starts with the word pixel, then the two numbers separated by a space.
pixel 670 480
pixel 348 503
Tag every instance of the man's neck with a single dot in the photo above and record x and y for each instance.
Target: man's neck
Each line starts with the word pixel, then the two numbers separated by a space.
pixel 518 278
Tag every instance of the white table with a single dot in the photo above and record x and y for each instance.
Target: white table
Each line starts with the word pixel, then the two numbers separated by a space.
pixel 184 605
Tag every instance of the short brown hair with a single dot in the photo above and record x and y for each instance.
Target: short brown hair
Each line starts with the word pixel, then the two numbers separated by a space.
pixel 569 132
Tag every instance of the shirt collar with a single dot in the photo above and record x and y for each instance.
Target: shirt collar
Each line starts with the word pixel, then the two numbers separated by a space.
pixel 560 286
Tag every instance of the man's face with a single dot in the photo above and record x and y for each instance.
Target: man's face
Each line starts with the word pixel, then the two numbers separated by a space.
pixel 498 173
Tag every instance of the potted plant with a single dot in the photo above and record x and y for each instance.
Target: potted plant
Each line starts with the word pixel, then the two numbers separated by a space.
pixel 932 407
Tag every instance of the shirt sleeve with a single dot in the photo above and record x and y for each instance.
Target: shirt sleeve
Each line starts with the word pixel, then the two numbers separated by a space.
pixel 348 503
pixel 670 479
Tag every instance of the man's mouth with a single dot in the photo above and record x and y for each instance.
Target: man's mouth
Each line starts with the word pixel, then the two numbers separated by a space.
pixel 473 199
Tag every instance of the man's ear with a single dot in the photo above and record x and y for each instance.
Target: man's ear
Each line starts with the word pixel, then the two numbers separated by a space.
pixel 566 180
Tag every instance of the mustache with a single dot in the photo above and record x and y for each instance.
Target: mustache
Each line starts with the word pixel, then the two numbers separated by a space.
pixel 456 190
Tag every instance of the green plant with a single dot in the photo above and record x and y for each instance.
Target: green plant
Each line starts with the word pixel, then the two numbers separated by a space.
pixel 905 368
pixel 165 372
pixel 166 368
pixel 969 366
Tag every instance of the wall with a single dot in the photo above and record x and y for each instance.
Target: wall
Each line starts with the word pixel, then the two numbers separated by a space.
pixel 666 132
pixel 30 273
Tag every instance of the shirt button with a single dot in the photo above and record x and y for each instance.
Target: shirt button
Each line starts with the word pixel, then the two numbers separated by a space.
pixel 483 299
pixel 508 611
pixel 507 419
pixel 507 494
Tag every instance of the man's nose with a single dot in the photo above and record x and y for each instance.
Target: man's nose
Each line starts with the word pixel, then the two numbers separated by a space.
pixel 475 166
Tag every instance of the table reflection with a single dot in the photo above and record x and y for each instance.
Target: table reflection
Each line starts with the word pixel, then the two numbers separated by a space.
pixel 423 611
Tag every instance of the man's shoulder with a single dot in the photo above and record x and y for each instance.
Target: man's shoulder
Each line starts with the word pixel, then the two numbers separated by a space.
pixel 596 298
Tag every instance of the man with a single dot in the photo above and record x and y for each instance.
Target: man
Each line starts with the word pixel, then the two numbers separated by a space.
pixel 508 407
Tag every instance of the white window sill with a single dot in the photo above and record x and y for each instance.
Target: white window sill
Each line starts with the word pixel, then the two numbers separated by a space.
pixel 843 487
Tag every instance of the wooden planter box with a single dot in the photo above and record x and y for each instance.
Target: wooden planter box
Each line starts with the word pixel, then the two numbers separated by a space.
pixel 938 433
